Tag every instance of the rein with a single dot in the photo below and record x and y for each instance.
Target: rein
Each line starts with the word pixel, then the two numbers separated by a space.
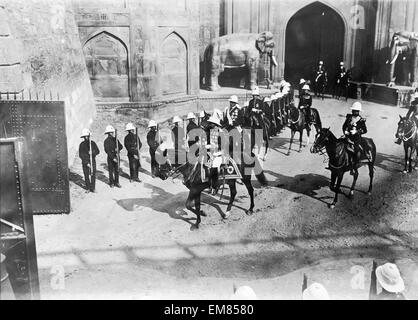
pixel 413 131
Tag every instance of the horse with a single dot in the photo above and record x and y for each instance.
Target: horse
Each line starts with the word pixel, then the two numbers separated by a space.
pixel 192 179
pixel 407 131
pixel 260 121
pixel 339 160
pixel 297 123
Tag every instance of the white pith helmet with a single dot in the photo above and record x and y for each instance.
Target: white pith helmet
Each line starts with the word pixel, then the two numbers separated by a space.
pixel 191 116
pixel 255 91
pixel 152 123
pixel 246 103
pixel 85 133
pixel 415 96
pixel 109 129
pixel 129 126
pixel 321 62
pixel 202 114
pixel 306 87
pixel 356 106
pixel 176 119
pixel 233 98
pixel 315 291
pixel 267 99
pixel 214 118
pixel 244 293
pixel 273 97
pixel 389 278
pixel 302 81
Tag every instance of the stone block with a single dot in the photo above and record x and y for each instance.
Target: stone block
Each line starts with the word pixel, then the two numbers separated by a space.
pixel 10 51
pixel 11 79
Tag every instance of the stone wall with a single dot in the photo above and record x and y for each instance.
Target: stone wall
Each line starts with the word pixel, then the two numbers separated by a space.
pixel 41 52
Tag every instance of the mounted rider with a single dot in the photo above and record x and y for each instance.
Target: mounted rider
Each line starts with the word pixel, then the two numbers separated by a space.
pixel 177 135
pixel 233 115
pixel 412 113
pixel 354 127
pixel 190 126
pixel 319 73
pixel 253 113
pixel 305 103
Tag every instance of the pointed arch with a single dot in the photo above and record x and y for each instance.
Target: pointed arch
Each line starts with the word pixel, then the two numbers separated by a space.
pixel 106 58
pixel 174 64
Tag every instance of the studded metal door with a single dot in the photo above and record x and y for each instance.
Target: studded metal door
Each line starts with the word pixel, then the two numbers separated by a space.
pixel 42 124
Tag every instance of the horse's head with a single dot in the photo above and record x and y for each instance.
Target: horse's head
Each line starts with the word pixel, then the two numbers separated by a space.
pixel 321 140
pixel 405 127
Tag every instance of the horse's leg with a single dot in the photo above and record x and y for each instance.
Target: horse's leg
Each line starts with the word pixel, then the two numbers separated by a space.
pixel 355 176
pixel 333 179
pixel 371 175
pixel 406 157
pixel 250 189
pixel 300 140
pixel 233 193
pixel 410 159
pixel 193 196
pixel 309 136
pixel 337 189
pixel 292 134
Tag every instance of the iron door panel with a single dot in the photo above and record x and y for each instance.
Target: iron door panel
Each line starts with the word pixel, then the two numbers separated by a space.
pixel 42 124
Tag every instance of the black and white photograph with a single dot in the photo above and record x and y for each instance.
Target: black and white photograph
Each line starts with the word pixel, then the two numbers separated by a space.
pixel 211 150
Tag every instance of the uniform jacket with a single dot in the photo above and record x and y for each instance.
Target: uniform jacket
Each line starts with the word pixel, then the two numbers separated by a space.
pixel 305 100
pixel 130 143
pixel 254 112
pixel 233 117
pixel 152 140
pixel 110 147
pixel 355 122
pixel 177 135
pixel 192 125
pixel 413 110
pixel 83 151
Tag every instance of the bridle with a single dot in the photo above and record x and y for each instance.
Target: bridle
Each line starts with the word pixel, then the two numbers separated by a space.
pixel 411 132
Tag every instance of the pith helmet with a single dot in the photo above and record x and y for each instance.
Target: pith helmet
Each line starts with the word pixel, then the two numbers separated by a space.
pixel 356 106
pixel 256 91
pixel 306 87
pixel 85 133
pixel 109 129
pixel 390 278
pixel 415 96
pixel 273 97
pixel 244 293
pixel 321 62
pixel 152 123
pixel 202 114
pixel 246 103
pixel 267 99
pixel 302 81
pixel 129 126
pixel 233 98
pixel 190 116
pixel 315 291
pixel 176 119
pixel 214 118
pixel 341 63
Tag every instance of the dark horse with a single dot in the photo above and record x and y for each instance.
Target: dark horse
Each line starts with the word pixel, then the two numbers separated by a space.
pixel 339 159
pixel 341 86
pixel 407 131
pixel 297 123
pixel 192 179
pixel 319 85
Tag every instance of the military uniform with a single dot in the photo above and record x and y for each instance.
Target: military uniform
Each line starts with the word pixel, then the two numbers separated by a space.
pixel 190 126
pixel 132 145
pixel 83 152
pixel 413 111
pixel 153 144
pixel 305 103
pixel 353 127
pixel 112 159
pixel 318 86
pixel 254 113
pixel 177 135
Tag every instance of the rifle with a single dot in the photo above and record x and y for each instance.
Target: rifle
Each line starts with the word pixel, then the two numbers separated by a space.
pixel 137 144
pixel 90 158
pixel 117 150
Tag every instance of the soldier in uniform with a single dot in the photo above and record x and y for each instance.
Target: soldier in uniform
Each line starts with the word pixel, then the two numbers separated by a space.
pixel 254 110
pixel 339 81
pixel 232 116
pixel 132 144
pixel 305 103
pixel 353 127
pixel 153 142
pixel 190 126
pixel 177 135
pixel 88 160
pixel 112 156
pixel 302 82
pixel 412 113
pixel 320 79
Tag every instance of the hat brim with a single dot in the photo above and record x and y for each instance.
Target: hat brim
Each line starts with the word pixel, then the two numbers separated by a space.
pixel 394 288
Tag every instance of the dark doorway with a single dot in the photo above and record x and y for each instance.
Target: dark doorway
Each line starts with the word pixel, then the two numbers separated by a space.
pixel 316 32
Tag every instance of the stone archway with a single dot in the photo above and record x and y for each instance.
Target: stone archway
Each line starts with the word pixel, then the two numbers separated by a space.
pixel 107 63
pixel 315 32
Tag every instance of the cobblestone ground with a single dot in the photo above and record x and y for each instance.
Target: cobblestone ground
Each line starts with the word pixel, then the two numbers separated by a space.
pixel 138 242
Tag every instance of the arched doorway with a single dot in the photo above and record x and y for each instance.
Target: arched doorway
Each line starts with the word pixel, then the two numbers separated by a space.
pixel 316 32
pixel 107 63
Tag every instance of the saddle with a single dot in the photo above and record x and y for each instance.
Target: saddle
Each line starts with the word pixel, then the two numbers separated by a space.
pixel 364 153
pixel 223 164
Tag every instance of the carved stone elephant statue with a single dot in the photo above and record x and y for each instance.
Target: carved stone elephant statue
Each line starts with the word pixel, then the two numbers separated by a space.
pixel 239 50
pixel 403 56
